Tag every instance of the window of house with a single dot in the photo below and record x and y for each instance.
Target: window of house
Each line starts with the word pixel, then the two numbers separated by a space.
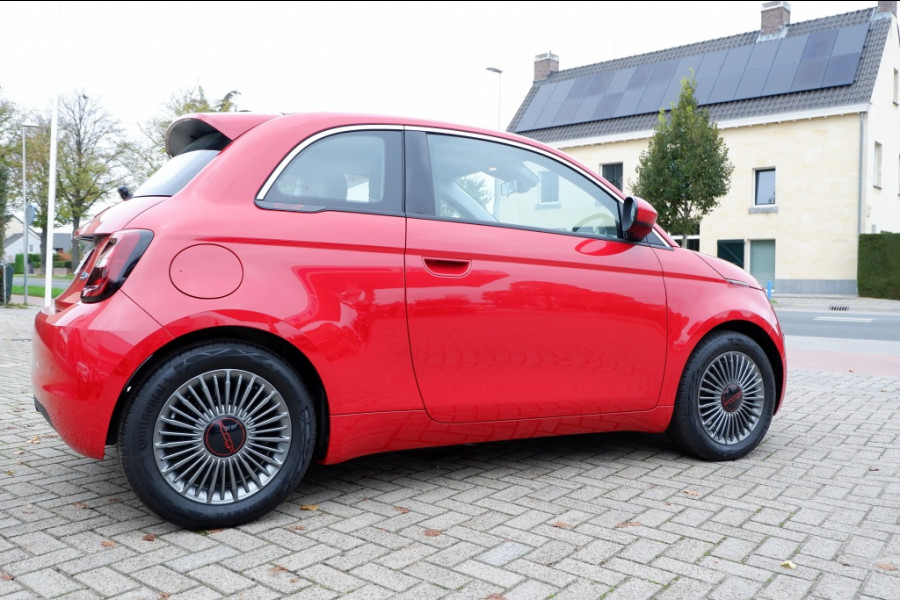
pixel 612 172
pixel 765 187
pixel 877 175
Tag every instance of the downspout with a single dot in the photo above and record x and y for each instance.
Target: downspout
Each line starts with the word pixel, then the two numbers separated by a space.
pixel 860 179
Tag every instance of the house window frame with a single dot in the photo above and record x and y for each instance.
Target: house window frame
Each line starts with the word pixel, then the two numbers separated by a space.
pixel 767 207
pixel 877 162
pixel 621 176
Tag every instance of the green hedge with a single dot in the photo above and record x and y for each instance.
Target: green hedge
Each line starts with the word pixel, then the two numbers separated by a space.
pixel 33 258
pixel 878 274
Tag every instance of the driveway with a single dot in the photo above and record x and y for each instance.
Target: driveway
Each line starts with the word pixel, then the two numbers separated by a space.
pixel 814 512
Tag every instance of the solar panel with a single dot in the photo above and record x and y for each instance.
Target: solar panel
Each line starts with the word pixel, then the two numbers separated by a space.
pixel 640 78
pixel 790 50
pixel 724 88
pixel 819 45
pixel 809 75
pixel 752 82
pixel 798 63
pixel 763 55
pixel 628 103
pixel 841 70
pixel 850 39
pixel 534 108
pixel 554 103
pixel 573 100
pixel 780 79
pixel 606 108
pixel 651 100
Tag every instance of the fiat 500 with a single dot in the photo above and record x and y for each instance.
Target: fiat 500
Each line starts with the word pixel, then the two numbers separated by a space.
pixel 317 287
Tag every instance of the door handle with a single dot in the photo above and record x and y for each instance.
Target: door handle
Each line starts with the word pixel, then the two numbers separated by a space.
pixel 447 267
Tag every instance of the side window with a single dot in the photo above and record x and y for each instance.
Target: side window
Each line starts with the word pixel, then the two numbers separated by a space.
pixel 490 182
pixel 765 187
pixel 358 171
pixel 613 172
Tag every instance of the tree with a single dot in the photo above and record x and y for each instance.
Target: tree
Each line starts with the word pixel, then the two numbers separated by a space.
pixel 91 147
pixel 146 158
pixel 685 169
pixel 7 112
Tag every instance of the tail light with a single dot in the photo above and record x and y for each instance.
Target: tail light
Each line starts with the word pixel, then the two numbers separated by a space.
pixel 117 258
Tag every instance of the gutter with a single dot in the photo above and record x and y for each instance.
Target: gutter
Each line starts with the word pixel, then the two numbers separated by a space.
pixel 860 178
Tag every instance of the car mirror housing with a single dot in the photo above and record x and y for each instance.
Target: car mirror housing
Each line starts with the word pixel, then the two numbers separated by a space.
pixel 638 218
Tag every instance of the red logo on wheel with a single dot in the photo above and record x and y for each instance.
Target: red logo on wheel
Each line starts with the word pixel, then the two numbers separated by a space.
pixel 225 436
pixel 732 398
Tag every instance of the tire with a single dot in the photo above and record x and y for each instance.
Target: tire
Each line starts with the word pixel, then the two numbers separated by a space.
pixel 725 400
pixel 218 435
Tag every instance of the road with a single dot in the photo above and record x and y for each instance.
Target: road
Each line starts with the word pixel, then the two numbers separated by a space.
pixel 38 280
pixel 869 326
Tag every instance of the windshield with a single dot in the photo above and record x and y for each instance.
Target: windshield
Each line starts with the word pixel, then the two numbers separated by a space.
pixel 176 173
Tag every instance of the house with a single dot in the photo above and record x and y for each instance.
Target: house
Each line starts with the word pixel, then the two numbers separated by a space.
pixel 14 242
pixel 810 113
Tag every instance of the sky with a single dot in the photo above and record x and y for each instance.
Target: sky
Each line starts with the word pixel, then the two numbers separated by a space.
pixel 418 59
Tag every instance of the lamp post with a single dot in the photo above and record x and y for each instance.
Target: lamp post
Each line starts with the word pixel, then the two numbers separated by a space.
pixel 25 126
pixel 499 74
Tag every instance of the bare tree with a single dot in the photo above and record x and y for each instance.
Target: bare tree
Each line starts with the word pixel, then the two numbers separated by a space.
pixel 7 113
pixel 92 146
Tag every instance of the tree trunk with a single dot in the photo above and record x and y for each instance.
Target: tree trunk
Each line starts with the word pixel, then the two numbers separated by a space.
pixel 76 249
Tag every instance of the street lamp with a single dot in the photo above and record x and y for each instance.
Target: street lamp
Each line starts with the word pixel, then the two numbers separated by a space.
pixel 499 74
pixel 25 209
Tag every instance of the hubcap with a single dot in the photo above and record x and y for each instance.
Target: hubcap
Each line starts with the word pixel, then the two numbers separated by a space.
pixel 731 398
pixel 222 436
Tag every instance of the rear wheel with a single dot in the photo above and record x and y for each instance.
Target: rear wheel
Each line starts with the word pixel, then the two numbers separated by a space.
pixel 725 400
pixel 218 435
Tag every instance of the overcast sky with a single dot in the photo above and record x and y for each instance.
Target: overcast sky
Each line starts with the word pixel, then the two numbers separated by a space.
pixel 423 59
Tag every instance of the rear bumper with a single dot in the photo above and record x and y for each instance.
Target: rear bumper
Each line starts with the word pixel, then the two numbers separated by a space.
pixel 83 358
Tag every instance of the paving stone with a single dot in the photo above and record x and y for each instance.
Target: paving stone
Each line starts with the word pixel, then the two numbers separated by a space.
pixel 613 516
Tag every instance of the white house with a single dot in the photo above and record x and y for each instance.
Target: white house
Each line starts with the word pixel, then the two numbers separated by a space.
pixel 810 112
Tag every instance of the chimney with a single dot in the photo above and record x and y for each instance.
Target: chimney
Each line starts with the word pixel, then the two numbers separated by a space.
pixel 545 65
pixel 890 7
pixel 776 16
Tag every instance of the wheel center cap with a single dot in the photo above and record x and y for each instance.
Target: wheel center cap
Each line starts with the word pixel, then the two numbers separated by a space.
pixel 732 398
pixel 225 436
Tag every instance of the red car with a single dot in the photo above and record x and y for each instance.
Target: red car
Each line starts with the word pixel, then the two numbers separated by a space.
pixel 318 287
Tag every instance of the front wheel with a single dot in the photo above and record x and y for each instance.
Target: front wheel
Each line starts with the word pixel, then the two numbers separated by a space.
pixel 218 435
pixel 725 400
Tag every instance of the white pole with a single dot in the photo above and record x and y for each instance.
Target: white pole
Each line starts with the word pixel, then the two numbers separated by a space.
pixel 25 212
pixel 51 191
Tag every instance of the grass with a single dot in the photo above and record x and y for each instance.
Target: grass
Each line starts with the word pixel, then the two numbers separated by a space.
pixel 34 291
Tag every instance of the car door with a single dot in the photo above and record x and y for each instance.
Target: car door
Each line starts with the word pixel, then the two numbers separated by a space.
pixel 523 300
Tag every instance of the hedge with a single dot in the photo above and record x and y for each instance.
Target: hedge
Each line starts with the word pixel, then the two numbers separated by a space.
pixel 878 271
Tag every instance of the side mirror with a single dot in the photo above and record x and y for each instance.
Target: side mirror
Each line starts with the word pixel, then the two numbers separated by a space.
pixel 638 218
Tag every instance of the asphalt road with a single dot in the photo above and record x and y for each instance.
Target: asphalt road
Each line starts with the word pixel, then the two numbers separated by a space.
pixel 870 326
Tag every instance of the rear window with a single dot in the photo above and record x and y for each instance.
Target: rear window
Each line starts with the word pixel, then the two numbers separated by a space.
pixel 176 173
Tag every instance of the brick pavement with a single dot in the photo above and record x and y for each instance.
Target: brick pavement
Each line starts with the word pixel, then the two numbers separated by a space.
pixel 614 516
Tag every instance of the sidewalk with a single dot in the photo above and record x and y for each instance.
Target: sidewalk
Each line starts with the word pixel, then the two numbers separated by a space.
pixel 835 303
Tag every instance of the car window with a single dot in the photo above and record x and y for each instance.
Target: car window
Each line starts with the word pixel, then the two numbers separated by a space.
pixel 357 171
pixel 176 173
pixel 490 182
